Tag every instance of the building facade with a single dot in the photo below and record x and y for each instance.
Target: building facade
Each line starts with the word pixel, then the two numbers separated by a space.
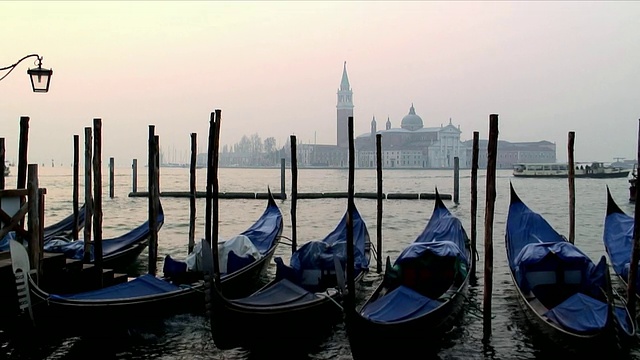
pixel 412 145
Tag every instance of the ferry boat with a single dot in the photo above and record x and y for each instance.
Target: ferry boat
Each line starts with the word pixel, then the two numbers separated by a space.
pixel 559 170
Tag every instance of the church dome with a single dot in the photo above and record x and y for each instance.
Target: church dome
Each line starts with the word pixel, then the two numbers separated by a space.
pixel 412 121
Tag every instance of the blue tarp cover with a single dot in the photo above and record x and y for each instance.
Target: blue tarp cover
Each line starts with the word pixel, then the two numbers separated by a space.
pixel 141 286
pixel 440 248
pixel 618 241
pixel 571 313
pixel 443 226
pixel 75 249
pixel 526 227
pixel 530 241
pixel 264 231
pixel 400 304
pixel 319 254
pixel 283 292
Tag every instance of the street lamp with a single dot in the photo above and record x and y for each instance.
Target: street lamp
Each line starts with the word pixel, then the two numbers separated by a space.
pixel 40 77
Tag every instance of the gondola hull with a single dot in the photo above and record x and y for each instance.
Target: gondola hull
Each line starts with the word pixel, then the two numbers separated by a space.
pixel 565 297
pixel 69 317
pixel 403 339
pixel 421 297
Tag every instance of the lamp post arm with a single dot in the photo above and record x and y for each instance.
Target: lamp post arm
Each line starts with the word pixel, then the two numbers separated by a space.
pixel 11 67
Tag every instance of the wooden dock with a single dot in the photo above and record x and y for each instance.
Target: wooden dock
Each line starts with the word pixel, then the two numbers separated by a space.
pixel 313 195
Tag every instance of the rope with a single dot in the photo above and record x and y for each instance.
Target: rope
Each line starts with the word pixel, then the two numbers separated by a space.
pixel 325 294
pixel 477 312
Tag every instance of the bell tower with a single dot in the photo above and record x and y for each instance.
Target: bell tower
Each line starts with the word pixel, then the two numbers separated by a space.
pixel 345 109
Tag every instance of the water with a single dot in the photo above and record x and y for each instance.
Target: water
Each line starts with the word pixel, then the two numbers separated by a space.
pixel 188 336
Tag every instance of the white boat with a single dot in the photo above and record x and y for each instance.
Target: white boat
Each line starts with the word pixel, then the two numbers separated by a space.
pixel 561 170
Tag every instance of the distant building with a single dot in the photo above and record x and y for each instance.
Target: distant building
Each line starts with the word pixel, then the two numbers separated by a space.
pixel 510 153
pixel 410 146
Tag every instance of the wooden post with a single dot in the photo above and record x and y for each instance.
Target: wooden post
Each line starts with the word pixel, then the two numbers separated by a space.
pixel 192 193
pixel 283 166
pixel 474 201
pixel 2 159
pixel 216 154
pixel 88 198
pixel 456 180
pixel 134 181
pixel 22 152
pixel 209 198
pixel 111 175
pixel 572 189
pixel 97 195
pixel 635 253
pixel 379 218
pixel 350 210
pixel 33 221
pixel 294 192
pixel 492 150
pixel 153 226
pixel 76 181
pixel 157 170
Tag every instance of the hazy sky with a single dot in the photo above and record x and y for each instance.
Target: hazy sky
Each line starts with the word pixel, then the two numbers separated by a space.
pixel 545 67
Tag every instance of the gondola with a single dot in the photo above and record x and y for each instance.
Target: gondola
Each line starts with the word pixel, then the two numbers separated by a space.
pixel 421 296
pixel 566 297
pixel 118 253
pixel 618 240
pixel 61 230
pixel 143 299
pixel 302 302
pixel 64 227
pixel 244 269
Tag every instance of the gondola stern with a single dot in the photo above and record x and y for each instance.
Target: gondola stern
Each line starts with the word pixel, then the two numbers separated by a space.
pixel 272 200
pixel 514 198
pixel 612 206
pixel 439 203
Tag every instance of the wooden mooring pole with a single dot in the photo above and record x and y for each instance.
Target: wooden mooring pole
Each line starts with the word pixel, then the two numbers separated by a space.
pixel 134 180
pixel 283 167
pixel 76 184
pixel 22 153
pixel 572 188
pixel 111 177
pixel 635 253
pixel 350 264
pixel 2 159
pixel 380 196
pixel 33 221
pixel 153 211
pixel 294 192
pixel 474 201
pixel 88 197
pixel 208 228
pixel 192 192
pixel 492 150
pixel 97 195
pixel 456 180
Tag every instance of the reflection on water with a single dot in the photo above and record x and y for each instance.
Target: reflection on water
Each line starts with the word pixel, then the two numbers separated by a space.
pixel 188 336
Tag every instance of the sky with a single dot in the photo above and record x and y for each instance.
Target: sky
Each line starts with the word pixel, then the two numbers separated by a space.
pixel 273 68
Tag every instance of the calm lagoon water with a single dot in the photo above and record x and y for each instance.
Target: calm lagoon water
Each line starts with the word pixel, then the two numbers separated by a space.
pixel 188 337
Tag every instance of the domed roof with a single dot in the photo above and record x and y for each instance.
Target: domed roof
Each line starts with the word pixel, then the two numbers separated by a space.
pixel 412 121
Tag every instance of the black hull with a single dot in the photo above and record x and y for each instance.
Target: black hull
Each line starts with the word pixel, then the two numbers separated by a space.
pixel 123 259
pixel 246 281
pixel 64 317
pixel 301 326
